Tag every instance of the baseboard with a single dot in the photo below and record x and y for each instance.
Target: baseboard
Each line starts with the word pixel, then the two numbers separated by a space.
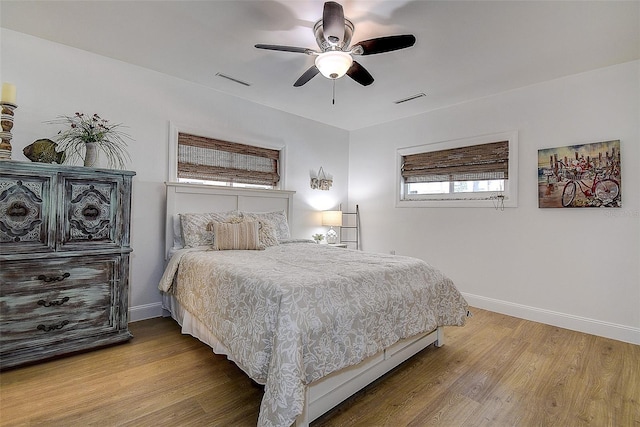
pixel 562 320
pixel 146 311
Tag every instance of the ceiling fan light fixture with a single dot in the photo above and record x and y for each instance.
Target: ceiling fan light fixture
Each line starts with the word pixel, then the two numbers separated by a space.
pixel 334 63
pixel 334 59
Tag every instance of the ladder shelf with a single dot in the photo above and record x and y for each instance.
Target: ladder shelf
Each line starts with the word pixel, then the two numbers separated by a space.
pixel 350 233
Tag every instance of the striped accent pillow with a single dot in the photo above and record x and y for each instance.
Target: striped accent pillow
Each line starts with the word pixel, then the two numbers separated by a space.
pixel 239 236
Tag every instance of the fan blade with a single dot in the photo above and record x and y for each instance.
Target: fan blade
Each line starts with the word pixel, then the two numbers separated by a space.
pixel 333 22
pixel 286 48
pixel 308 75
pixel 358 73
pixel 385 44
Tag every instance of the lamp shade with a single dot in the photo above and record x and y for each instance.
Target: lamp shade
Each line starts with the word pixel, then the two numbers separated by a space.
pixel 332 218
pixel 334 63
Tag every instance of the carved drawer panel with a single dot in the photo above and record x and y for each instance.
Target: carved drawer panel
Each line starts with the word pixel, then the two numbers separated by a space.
pixel 25 220
pixel 90 216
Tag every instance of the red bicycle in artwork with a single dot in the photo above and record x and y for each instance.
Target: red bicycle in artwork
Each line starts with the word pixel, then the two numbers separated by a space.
pixel 603 190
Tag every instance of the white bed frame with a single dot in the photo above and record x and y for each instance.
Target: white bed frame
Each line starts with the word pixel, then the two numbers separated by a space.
pixel 325 393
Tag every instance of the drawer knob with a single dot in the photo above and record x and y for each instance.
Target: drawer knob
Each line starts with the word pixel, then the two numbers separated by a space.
pixel 52 303
pixel 48 328
pixel 49 279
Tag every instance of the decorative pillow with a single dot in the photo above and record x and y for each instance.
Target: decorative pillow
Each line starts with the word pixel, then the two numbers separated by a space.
pixel 235 219
pixel 237 236
pixel 268 234
pixel 279 220
pixel 266 231
pixel 194 227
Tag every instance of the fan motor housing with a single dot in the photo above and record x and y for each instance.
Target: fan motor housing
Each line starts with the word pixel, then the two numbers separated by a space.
pixel 326 45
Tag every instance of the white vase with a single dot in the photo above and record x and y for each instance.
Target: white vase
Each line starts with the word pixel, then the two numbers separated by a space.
pixel 91 154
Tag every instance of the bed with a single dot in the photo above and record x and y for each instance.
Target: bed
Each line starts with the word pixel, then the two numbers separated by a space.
pixel 312 323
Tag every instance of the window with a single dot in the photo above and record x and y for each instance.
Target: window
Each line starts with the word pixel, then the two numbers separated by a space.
pixel 471 172
pixel 212 161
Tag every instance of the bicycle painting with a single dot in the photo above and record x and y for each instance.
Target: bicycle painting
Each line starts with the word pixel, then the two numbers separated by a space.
pixel 584 176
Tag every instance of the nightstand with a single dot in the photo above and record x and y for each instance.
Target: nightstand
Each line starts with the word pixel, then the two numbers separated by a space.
pixel 338 245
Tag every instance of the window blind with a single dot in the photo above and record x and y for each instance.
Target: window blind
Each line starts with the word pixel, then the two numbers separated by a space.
pixel 472 163
pixel 214 160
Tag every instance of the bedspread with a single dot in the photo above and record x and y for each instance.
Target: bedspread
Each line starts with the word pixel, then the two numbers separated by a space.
pixel 296 312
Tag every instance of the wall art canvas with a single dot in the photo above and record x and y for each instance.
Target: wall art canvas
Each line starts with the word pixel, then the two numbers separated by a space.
pixel 580 176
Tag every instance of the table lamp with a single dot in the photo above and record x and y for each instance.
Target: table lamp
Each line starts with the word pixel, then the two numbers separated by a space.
pixel 332 219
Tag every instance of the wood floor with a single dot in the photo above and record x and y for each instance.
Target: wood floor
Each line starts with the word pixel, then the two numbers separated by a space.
pixel 495 371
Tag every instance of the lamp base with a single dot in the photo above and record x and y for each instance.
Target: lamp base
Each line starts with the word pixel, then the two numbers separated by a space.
pixel 332 236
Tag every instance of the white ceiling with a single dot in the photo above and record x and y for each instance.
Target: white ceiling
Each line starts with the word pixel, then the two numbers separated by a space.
pixel 465 49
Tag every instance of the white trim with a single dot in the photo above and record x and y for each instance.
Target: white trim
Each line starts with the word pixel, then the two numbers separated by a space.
pixel 568 321
pixel 145 311
pixel 173 153
pixel 511 188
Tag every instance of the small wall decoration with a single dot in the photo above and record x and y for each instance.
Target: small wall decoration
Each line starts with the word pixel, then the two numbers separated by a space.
pixel 321 181
pixel 580 176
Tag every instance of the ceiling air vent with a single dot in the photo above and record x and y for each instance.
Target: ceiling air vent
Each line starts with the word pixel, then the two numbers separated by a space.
pixel 411 98
pixel 224 76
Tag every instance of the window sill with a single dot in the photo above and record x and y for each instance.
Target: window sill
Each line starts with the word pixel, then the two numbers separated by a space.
pixel 457 203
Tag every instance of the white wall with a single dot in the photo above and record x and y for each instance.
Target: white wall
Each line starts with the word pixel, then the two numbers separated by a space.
pixel 54 80
pixel 575 268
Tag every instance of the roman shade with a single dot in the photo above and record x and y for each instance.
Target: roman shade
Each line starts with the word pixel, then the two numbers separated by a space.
pixel 471 163
pixel 215 160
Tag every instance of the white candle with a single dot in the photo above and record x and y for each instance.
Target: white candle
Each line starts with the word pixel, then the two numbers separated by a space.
pixel 8 93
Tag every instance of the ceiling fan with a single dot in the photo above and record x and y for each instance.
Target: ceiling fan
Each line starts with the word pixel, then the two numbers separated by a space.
pixel 335 58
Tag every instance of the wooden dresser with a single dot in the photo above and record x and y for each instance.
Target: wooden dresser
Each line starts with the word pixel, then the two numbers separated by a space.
pixel 64 259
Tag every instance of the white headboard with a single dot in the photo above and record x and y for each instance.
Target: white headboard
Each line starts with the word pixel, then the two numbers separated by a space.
pixel 196 198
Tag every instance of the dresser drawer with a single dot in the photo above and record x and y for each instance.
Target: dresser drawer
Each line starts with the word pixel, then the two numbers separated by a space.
pixel 56 300
pixel 50 274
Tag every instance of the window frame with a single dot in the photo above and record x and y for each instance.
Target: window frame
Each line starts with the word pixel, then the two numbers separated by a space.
pixel 478 199
pixel 174 130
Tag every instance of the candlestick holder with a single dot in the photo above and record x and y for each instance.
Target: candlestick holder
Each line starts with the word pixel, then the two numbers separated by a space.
pixel 6 120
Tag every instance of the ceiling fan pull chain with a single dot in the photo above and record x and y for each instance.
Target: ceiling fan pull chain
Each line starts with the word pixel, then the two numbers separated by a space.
pixel 334 92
